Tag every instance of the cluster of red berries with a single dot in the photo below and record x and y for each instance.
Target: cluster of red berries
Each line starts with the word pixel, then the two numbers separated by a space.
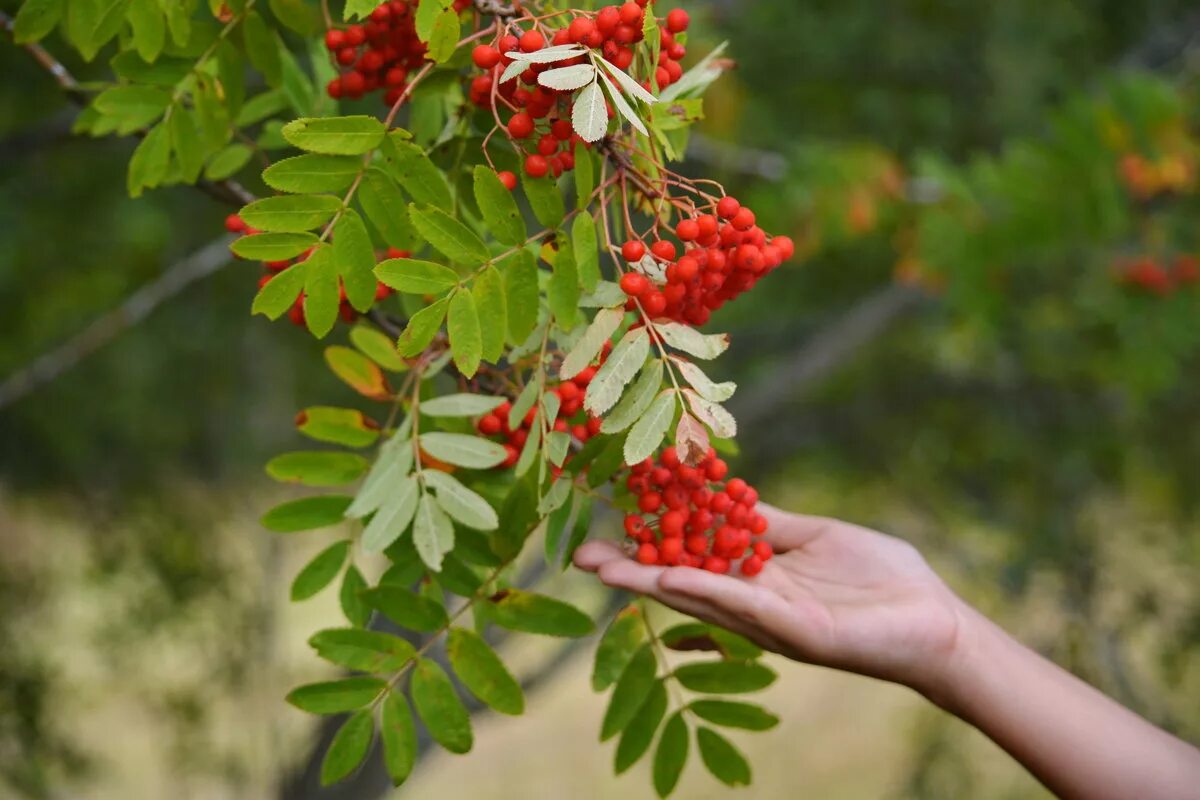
pixel 720 261
pixel 379 53
pixel 691 516
pixel 571 418
pixel 543 115
pixel 234 224
pixel 1148 275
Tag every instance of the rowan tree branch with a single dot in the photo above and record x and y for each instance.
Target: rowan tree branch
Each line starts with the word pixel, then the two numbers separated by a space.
pixel 828 349
pixel 132 310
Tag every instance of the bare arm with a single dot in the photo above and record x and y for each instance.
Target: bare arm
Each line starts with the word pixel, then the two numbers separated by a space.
pixel 843 596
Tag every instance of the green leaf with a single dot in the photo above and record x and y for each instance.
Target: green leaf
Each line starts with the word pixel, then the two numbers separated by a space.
pixel 358 8
pixel 393 516
pixel 545 200
pixel 671 755
pixel 722 759
pixel 618 370
pixel 636 738
pixel 433 532
pixel 463 450
pixel 482 672
pixel 364 651
pixel 378 347
pixel 385 207
pixel 444 37
pixel 335 136
pixel 411 167
pixel 343 426
pixel 426 18
pixel 587 256
pixel 499 207
pixel 399 735
pixel 649 431
pixel 297 15
pixel 262 48
pixel 320 572
pixel 585 175
pixel 462 504
pixel 520 610
pixel 336 697
pixel 273 247
pixel 462 325
pixel 724 677
pixel 637 400
pixel 291 213
pixel 312 172
pixel 585 351
pixel 349 597
pixel 136 106
pixel 521 292
pixel 186 144
pixel 306 514
pixel 704 386
pixel 490 304
pixel 460 405
pixel 150 161
pixel 449 236
pixel 582 512
pixel 348 748
pixel 92 24
pixel 406 609
pixel 734 715
pixel 280 292
pixel 416 277
pixel 634 685
pixel 35 19
pixel 354 257
pixel 562 292
pixel 617 646
pixel 227 161
pixel 317 467
pixel 691 341
pixel 422 327
pixel 439 707
pixel 610 460
pixel 518 515
pixel 321 296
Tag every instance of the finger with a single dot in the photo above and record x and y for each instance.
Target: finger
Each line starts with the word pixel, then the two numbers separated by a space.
pixel 626 574
pixel 591 555
pixel 788 531
pixel 751 605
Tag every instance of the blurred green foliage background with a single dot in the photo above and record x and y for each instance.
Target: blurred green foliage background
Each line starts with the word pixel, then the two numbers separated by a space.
pixel 960 358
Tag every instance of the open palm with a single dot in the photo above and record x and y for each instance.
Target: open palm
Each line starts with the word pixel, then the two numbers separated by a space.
pixel 835 594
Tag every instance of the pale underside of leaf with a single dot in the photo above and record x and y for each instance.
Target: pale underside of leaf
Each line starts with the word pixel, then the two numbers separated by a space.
pixel 691 440
pixel 714 415
pixel 649 431
pixel 622 364
pixel 461 503
pixel 636 400
pixel 392 519
pixel 433 532
pixel 623 107
pixel 590 116
pixel 704 386
pixel 588 347
pixel 631 87
pixel 691 341
pixel 568 79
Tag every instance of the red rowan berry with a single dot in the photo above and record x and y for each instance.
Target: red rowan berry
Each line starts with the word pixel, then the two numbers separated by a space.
pixel 335 39
pixel 664 250
pixel 677 20
pixel 531 41
pixel 355 35
pixel 634 284
pixel 669 551
pixel 648 554
pixel 581 28
pixel 634 524
pixel 743 220
pixel 716 564
pixel 736 489
pixel 536 166
pixel 763 550
pixel 727 207
pixel 688 230
pixel 752 566
pixel 508 179
pixel 520 126
pixel 696 544
pixel 650 502
pixel 234 224
pixel 633 251
pixel 489 425
pixel 485 56
pixel 654 303
pixel 671 523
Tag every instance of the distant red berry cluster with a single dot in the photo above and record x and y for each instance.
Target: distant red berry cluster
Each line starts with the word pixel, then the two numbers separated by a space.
pixel 234 224
pixel 720 261
pixel 1148 275
pixel 379 53
pixel 571 417
pixel 694 517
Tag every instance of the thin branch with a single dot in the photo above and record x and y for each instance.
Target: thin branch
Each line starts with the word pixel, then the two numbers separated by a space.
pixel 49 366
pixel 227 191
pixel 829 349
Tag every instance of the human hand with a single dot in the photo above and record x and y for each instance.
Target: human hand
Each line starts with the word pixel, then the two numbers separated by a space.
pixel 835 594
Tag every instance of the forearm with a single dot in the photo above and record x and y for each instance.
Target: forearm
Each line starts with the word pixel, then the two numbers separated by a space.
pixel 1076 741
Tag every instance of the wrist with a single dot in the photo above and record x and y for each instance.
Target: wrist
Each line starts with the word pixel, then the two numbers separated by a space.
pixel 947 685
